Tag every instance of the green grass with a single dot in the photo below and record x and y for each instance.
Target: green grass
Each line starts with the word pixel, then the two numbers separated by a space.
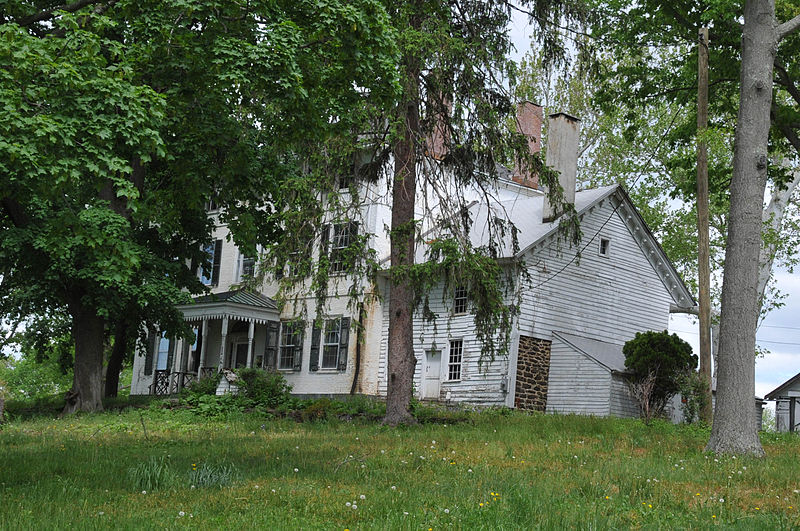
pixel 154 468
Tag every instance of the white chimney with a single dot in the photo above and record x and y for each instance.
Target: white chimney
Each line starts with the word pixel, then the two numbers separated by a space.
pixel 563 133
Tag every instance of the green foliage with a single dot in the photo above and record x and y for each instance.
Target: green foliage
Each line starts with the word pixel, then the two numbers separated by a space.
pixel 665 356
pixel 694 396
pixel 264 388
pixel 204 386
pixel 151 475
pixel 212 475
pixel 561 471
pixel 214 406
pixel 106 154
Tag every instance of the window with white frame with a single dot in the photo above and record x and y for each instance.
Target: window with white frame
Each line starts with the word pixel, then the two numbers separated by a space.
pixel 460 300
pixel 329 344
pixel 605 244
pixel 341 238
pixel 455 360
pixel 214 253
pixel 247 266
pixel 291 345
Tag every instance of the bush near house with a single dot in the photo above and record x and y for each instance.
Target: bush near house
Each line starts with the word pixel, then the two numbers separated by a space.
pixel 658 361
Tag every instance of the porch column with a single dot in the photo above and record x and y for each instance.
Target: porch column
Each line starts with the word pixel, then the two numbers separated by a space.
pixel 250 331
pixel 184 364
pixel 222 343
pixel 203 349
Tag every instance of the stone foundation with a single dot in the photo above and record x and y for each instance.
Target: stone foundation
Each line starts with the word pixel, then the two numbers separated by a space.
pixel 533 368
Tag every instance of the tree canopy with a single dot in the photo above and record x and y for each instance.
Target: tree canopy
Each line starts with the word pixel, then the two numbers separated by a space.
pixel 107 160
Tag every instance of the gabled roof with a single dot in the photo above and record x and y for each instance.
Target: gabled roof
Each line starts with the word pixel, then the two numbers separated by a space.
pixel 526 215
pixel 781 390
pixel 608 355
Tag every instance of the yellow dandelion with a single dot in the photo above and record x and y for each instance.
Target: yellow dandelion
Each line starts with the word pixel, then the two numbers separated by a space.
pixel 480 504
pixel 608 498
pixel 757 509
pixel 650 506
pixel 713 516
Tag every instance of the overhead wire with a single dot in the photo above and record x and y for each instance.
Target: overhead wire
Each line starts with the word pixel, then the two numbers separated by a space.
pixel 616 208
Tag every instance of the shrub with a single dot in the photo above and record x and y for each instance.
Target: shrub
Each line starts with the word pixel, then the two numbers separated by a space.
pixel 664 357
pixel 266 388
pixel 694 396
pixel 319 410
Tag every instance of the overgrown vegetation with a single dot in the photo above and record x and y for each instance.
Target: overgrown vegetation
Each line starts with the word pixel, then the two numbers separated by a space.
pixel 135 469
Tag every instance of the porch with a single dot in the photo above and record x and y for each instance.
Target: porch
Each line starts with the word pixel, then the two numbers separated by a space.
pixel 233 329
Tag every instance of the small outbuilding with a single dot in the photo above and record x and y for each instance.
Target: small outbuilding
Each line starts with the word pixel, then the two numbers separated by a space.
pixel 786 395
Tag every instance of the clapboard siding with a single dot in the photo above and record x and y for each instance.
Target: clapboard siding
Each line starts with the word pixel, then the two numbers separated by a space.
pixel 622 404
pixel 605 298
pixel 576 384
pixel 480 381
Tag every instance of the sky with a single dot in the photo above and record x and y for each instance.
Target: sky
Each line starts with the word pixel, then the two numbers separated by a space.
pixel 780 331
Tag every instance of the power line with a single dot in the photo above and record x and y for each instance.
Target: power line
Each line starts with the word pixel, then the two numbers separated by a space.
pixel 601 40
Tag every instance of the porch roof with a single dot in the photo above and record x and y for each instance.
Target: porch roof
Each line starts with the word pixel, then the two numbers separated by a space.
pixel 237 304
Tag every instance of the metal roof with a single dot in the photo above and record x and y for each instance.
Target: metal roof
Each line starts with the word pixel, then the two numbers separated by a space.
pixel 609 355
pixel 238 296
pixel 777 393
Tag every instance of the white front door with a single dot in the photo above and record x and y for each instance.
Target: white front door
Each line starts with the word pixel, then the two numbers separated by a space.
pixel 432 375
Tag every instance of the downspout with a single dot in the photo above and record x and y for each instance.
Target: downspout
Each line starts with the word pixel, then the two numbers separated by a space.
pixel 359 338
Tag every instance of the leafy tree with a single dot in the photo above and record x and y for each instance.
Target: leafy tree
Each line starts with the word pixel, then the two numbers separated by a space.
pixel 663 356
pixel 659 36
pixel 122 119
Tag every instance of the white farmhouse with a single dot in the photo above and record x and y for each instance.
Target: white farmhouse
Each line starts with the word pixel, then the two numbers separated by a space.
pixel 578 306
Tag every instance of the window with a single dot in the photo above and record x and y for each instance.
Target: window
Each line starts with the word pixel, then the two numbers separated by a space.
pixel 455 359
pixel 163 354
pixel 247 267
pixel 341 259
pixel 291 345
pixel 329 344
pixel 460 300
pixel 214 253
pixel 211 205
pixel 604 245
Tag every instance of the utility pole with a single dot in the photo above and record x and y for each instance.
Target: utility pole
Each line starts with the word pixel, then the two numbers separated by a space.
pixel 703 272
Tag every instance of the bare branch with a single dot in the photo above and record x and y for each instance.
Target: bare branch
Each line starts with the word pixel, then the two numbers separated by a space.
pixel 787 27
pixel 49 13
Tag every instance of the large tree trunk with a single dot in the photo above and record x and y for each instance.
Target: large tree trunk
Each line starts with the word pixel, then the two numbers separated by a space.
pixel 734 429
pixel 87 383
pixel 401 293
pixel 117 357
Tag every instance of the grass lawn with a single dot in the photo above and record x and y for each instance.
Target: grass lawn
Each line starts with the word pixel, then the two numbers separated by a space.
pixel 158 468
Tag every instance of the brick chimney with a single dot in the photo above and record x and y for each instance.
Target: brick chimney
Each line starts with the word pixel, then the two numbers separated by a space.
pixel 529 123
pixel 563 133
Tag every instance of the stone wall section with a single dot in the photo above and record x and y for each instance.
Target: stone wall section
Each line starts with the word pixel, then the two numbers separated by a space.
pixel 533 368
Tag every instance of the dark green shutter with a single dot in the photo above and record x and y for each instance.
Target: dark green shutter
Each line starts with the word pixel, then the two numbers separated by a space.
pixel 344 336
pixel 150 345
pixel 271 345
pixel 324 247
pixel 217 260
pixel 316 334
pixel 298 328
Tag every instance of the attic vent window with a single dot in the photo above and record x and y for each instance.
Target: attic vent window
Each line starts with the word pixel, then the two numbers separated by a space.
pixel 605 243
